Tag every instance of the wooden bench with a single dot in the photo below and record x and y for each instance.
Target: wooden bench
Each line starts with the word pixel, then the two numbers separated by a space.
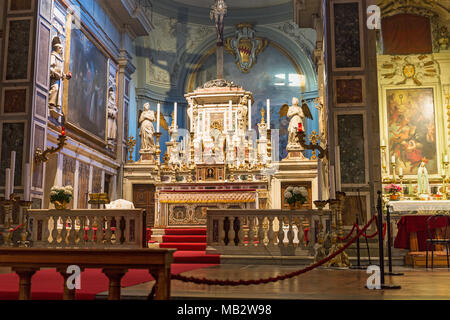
pixel 114 262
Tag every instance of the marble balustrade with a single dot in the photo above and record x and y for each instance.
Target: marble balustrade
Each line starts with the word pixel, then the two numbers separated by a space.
pixel 93 228
pixel 257 232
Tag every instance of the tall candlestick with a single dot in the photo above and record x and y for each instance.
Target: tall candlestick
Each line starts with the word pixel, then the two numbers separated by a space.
pixel 26 191
pixel 175 114
pixel 13 169
pixel 268 113
pixel 7 183
pixel 249 115
pixel 158 111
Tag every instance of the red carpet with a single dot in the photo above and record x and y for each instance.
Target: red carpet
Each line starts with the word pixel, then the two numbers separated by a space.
pixel 184 231
pixel 48 284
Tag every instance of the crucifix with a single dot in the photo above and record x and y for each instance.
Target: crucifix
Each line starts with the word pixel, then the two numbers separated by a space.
pixel 218 13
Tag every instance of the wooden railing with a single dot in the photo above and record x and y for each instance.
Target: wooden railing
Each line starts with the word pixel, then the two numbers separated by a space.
pixel 257 232
pixel 114 262
pixel 98 228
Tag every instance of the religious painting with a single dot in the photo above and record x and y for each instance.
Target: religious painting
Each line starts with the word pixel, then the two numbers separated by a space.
pixel 352 163
pixel 349 92
pixel 18 50
pixel 346 40
pixel 210 174
pixel 87 92
pixel 13 135
pixel 15 100
pixel 412 129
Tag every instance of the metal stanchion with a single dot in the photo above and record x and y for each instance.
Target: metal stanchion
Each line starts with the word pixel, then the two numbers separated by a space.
pixel 380 243
pixel 358 253
pixel 388 231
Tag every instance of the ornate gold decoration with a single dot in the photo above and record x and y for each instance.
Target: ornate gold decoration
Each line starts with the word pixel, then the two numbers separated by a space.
pixel 263 112
pixel 131 142
pixel 217 124
pixel 402 69
pixel 301 135
pixel 42 156
pixel 98 198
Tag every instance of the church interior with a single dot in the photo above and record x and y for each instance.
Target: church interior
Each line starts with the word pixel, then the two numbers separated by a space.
pixel 224 149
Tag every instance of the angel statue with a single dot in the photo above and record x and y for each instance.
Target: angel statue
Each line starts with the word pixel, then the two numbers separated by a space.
pixel 297 114
pixel 147 130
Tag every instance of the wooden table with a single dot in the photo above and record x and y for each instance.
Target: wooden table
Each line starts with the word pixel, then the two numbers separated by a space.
pixel 114 262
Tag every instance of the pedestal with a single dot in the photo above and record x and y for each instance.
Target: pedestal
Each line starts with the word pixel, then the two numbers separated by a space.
pixel 147 156
pixel 295 153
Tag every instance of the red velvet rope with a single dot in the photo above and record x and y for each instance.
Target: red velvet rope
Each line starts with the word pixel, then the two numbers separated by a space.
pixel 273 279
pixel 349 234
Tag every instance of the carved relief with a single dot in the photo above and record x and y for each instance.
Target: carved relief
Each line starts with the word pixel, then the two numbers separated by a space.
pixel 409 70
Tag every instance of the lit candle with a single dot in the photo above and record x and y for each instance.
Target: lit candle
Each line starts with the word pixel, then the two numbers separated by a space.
pixel 63 131
pixel 230 115
pixel 13 169
pixel 393 159
pixel 249 115
pixel 7 183
pixel 175 115
pixel 446 158
pixel 26 191
pixel 268 114
pixel 300 127
pixel 158 115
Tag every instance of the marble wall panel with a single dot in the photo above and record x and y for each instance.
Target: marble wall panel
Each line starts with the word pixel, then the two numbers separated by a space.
pixel 18 50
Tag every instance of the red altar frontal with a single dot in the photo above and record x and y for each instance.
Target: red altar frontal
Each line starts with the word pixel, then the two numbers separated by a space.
pixel 186 205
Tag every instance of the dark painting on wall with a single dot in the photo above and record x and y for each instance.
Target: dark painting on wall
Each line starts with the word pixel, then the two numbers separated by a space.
pixel 17 54
pixel 351 146
pixel 12 140
pixel 15 100
pixel 20 5
pixel 347 35
pixel 88 86
pixel 349 91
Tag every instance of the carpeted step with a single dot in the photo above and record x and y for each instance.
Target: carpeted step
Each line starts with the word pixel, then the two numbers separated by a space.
pixel 195 257
pixel 184 246
pixel 184 238
pixel 199 231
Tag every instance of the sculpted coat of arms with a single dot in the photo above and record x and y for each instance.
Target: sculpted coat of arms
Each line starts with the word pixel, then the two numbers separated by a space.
pixel 245 47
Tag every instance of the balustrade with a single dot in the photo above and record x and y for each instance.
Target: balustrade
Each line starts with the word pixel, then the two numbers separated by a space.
pixel 257 232
pixel 96 228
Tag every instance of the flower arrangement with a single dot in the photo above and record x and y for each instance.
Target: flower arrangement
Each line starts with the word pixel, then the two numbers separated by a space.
pixel 61 195
pixel 294 194
pixel 392 188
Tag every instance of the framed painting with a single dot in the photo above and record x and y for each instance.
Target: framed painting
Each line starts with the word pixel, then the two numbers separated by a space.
pixel 349 91
pixel 87 92
pixel 412 129
pixel 15 100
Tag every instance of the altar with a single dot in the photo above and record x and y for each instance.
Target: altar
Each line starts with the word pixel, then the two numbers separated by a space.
pixel 420 207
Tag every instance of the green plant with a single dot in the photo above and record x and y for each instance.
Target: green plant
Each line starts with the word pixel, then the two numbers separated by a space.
pixel 61 194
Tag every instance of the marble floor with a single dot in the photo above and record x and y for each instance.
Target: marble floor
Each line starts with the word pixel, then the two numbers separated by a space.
pixel 323 283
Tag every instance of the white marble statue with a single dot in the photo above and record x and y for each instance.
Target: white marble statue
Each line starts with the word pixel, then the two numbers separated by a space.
pixel 422 180
pixel 296 113
pixel 56 74
pixel 112 116
pixel 147 129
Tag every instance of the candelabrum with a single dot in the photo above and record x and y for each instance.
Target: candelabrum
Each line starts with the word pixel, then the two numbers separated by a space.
pixel 301 136
pixel 24 206
pixel 444 179
pixel 7 224
pixel 269 145
pixel 131 142
pixel 42 156
pixel 394 179
pixel 320 251
pixel 158 153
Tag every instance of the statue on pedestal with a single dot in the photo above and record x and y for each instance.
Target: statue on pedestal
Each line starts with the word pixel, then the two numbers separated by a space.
pixel 422 181
pixel 112 117
pixel 147 131
pixel 296 113
pixel 56 76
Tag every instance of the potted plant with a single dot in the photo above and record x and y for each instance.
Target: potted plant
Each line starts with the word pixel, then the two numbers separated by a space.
pixel 61 196
pixel 393 190
pixel 295 195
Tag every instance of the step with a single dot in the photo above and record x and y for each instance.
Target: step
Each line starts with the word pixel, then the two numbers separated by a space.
pixel 184 238
pixel 193 231
pixel 184 246
pixel 195 257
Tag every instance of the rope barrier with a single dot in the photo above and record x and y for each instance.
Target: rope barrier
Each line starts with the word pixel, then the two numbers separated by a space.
pixel 356 226
pixel 271 279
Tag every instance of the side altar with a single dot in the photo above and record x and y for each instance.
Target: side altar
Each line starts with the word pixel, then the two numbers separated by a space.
pixel 219 163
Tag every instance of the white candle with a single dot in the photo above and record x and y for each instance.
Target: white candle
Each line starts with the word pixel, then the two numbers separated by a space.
pixel 13 169
pixel 26 191
pixel 158 112
pixel 175 114
pixel 268 114
pixel 446 158
pixel 230 118
pixel 393 159
pixel 400 171
pixel 191 125
pixel 249 115
pixel 382 143
pixel 319 178
pixel 7 183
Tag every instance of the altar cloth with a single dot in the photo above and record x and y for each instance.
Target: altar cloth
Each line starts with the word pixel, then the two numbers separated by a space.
pixel 420 207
